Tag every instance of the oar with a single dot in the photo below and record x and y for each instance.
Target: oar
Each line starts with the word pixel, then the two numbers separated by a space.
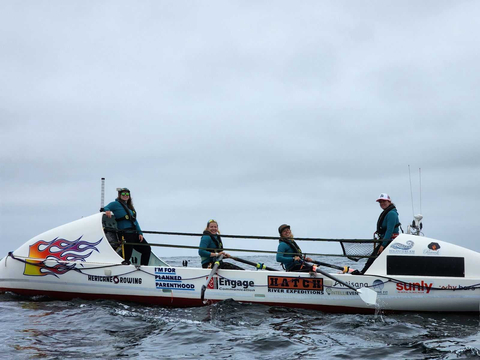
pixel 367 295
pixel 214 270
pixel 257 265
pixel 345 269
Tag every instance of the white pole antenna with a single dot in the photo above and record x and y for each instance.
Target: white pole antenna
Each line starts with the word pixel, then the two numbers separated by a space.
pixel 102 197
pixel 411 191
pixel 420 176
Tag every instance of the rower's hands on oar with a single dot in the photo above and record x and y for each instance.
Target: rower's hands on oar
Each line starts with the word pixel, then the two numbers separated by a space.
pixel 108 213
pixel 225 255
pixel 298 258
pixel 140 238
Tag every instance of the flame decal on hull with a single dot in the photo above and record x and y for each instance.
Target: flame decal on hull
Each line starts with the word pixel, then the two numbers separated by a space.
pixel 58 249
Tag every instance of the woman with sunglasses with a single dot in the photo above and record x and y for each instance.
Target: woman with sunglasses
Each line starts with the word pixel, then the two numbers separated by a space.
pixel 126 216
pixel 211 240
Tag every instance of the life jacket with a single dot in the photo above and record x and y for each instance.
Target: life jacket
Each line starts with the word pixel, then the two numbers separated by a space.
pixel 127 216
pixel 380 229
pixel 295 249
pixel 216 240
pixel 293 245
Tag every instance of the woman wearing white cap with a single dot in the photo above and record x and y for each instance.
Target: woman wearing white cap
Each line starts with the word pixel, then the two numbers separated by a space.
pixel 388 226
pixel 388 223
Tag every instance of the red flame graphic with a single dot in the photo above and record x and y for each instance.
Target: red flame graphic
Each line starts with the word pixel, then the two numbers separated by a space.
pixel 58 249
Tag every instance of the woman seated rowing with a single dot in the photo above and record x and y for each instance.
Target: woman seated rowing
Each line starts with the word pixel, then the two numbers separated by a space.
pixel 289 253
pixel 211 240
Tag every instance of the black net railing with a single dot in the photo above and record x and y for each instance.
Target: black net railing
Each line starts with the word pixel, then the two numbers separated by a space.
pixel 357 250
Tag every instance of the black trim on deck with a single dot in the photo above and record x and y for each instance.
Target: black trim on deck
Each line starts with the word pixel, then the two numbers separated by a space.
pixel 443 266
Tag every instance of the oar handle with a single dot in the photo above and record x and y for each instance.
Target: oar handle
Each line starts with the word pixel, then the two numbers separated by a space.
pixel 343 268
pixel 257 265
pixel 331 276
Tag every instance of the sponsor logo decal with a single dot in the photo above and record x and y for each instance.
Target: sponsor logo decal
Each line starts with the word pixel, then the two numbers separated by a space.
pixel 399 248
pixel 355 284
pixel 295 285
pixel 344 292
pixel 421 287
pixel 236 285
pixel 378 286
pixel 116 279
pixel 167 278
pixel 213 283
pixel 433 249
pixel 458 287
pixel 60 250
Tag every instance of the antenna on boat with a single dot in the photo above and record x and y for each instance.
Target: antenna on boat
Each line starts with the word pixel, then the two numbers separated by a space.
pixel 411 192
pixel 102 196
pixel 420 183
pixel 416 227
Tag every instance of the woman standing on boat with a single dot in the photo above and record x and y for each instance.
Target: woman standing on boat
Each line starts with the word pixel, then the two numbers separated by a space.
pixel 211 240
pixel 388 223
pixel 388 226
pixel 289 253
pixel 126 216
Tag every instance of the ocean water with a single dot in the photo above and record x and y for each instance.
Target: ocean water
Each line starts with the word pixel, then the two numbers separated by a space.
pixel 38 327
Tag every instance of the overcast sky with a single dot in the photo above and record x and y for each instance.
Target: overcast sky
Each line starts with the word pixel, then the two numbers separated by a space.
pixel 253 113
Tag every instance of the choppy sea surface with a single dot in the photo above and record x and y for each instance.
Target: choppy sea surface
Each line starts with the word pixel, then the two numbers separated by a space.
pixel 38 327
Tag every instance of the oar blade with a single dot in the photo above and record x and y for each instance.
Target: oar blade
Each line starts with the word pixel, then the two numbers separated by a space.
pixel 369 296
pixel 202 292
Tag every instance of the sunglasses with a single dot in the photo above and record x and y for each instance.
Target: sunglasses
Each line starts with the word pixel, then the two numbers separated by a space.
pixel 125 194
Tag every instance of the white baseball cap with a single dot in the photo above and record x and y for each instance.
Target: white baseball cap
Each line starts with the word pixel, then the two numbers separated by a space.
pixel 383 196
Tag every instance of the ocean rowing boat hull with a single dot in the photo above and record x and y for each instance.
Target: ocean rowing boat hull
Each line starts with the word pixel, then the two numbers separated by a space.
pixel 76 261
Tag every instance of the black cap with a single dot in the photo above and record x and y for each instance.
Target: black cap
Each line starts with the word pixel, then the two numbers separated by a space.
pixel 122 189
pixel 283 227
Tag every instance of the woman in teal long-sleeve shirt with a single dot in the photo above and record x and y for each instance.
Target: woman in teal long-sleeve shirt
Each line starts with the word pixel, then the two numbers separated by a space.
pixel 289 253
pixel 126 216
pixel 211 240
pixel 388 223
pixel 388 226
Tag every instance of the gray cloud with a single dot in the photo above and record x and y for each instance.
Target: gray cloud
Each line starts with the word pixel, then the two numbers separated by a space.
pixel 249 113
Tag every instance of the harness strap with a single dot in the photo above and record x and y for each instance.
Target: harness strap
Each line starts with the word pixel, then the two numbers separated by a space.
pixel 217 241
pixel 292 244
pixel 380 230
pixel 218 245
pixel 127 216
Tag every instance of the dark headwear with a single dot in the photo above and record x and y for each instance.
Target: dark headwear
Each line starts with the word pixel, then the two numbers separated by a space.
pixel 283 227
pixel 122 189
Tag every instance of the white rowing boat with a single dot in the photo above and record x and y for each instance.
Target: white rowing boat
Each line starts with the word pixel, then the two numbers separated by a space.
pixel 75 260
